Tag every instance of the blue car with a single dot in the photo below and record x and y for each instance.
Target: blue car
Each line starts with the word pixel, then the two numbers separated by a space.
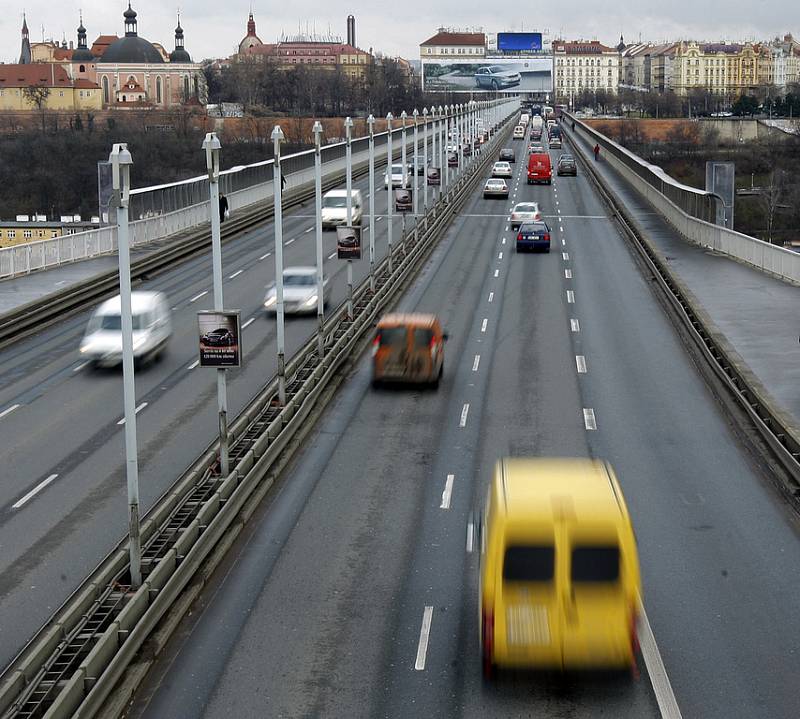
pixel 533 236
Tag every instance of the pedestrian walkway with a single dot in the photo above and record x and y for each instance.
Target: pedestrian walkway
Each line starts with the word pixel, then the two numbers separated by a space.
pixel 755 312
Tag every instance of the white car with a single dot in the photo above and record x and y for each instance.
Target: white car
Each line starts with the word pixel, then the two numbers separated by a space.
pixel 152 328
pixel 519 132
pixel 502 169
pixel 525 212
pixel 399 176
pixel 334 208
pixel 299 292
pixel 495 187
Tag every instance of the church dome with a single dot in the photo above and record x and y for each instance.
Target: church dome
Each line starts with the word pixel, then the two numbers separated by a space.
pixel 131 48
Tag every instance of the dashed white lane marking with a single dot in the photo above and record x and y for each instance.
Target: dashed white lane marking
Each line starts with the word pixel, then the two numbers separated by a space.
pixel 289 242
pixel 580 362
pixel 310 229
pixel 570 297
pixel 249 322
pixel 9 410
pixel 197 297
pixel 560 227
pixel 588 418
pixel 194 364
pixel 497 273
pixel 500 256
pixel 568 274
pixel 491 296
pixel 563 242
pixel 424 634
pixel 264 257
pixel 574 325
pixel 448 491
pixel 332 255
pixel 235 274
pixel 30 495
pixel 565 256
pixel 470 536
pixel 378 219
pixel 79 367
pixel 662 688
pixel 484 323
pixel 464 412
pixel 476 363
pixel 504 241
pixel 138 409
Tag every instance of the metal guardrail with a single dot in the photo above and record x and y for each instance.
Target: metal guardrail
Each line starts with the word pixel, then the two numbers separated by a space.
pixel 75 661
pixel 779 431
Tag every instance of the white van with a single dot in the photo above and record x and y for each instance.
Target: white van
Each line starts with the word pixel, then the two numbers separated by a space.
pixel 524 118
pixel 334 208
pixel 519 132
pixel 152 328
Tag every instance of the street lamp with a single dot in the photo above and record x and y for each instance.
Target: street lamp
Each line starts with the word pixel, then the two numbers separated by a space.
pixel 277 137
pixel 348 133
pixel 425 163
pixel 447 132
pixel 318 237
pixel 416 161
pixel 389 188
pixel 371 123
pixel 121 161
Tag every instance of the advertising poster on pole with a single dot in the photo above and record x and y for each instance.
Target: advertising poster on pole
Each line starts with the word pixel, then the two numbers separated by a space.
pixel 403 200
pixel 219 338
pixel 348 243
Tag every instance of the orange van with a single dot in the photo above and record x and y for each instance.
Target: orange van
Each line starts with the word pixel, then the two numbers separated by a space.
pixel 408 348
pixel 539 168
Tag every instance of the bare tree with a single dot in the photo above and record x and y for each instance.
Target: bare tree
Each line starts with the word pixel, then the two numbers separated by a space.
pixel 36 96
pixel 770 197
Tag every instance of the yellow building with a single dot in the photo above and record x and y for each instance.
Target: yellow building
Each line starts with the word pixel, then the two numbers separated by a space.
pixel 24 87
pixel 20 232
pixel 720 68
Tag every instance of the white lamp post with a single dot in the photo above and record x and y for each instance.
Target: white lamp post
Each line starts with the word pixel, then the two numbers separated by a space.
pixel 389 188
pixel 371 123
pixel 277 137
pixel 318 237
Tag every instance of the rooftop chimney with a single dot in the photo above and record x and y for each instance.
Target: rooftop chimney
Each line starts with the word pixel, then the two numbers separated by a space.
pixel 351 30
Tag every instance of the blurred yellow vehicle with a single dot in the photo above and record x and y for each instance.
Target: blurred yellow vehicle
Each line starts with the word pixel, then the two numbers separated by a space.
pixel 559 575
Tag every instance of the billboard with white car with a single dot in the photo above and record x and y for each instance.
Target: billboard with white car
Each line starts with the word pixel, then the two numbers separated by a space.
pixel 502 74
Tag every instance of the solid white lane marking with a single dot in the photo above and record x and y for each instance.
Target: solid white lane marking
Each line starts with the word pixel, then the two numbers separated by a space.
pixel 80 367
pixel 570 297
pixel 497 273
pixel 38 488
pixel 464 412
pixel 491 296
pixel 197 297
pixel 483 324
pixel 568 274
pixel 574 325
pixel 194 364
pixel 580 362
pixel 249 322
pixel 9 410
pixel 476 363
pixel 424 634
pixel 235 274
pixel 589 420
pixel 565 256
pixel 662 688
pixel 470 536
pixel 448 491
pixel 136 411
pixel 264 257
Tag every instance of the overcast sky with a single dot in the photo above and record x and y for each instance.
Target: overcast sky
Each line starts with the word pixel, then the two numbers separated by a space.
pixel 214 28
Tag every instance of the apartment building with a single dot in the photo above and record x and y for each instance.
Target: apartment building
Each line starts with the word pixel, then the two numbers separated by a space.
pixel 721 68
pixel 581 65
pixel 447 45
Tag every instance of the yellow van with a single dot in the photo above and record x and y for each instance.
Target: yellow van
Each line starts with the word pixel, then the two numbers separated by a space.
pixel 559 575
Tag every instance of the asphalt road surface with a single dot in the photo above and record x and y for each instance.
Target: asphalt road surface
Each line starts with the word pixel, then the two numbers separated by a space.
pixel 319 611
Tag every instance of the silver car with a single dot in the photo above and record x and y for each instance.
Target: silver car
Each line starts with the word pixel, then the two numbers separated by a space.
pixel 496 77
pixel 525 212
pixel 502 169
pixel 495 187
pixel 299 292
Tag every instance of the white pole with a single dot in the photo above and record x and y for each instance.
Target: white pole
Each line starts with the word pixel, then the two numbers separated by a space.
pixel 277 137
pixel 121 162
pixel 434 156
pixel 416 160
pixel 318 237
pixel 348 131
pixel 371 122
pixel 389 189
pixel 425 161
pixel 442 153
pixel 403 159
pixel 448 126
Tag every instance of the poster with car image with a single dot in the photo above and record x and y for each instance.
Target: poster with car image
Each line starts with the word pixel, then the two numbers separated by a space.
pixel 402 200
pixel 219 337
pixel 496 74
pixel 348 243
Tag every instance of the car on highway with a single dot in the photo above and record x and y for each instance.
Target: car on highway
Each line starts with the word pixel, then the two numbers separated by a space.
pixel 299 291
pixel 533 235
pixel 434 176
pixel 496 77
pixel 536 148
pixel 502 169
pixel 408 348
pixel 554 142
pixel 220 337
pixel 540 169
pixel 420 165
pixel 496 188
pixel 519 132
pixel 467 151
pixel 560 583
pixel 152 328
pixel 566 165
pixel 507 155
pixel 536 134
pixel 524 212
pixel 334 208
pixel 399 175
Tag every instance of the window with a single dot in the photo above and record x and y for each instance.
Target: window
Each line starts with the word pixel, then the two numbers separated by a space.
pixel 82 68
pixel 595 564
pixel 423 337
pixel 392 337
pixel 27 234
pixel 105 89
pixel 158 90
pixel 12 234
pixel 528 564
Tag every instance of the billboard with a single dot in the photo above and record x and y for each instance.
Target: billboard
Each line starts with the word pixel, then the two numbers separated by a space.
pixel 519 41
pixel 219 335
pixel 348 242
pixel 520 74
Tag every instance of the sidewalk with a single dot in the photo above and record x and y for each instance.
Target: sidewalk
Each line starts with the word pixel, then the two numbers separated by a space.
pixel 754 312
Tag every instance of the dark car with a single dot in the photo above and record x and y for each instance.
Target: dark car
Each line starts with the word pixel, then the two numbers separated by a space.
pixel 220 337
pixel 402 200
pixel 420 165
pixel 533 236
pixel 434 176
pixel 467 149
pixel 567 166
pixel 507 155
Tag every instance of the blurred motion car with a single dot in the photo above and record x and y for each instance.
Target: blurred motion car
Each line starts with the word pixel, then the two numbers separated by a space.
pixel 496 188
pixel 560 583
pixel 299 291
pixel 502 169
pixel 152 327
pixel 399 176
pixel 434 176
pixel 524 212
pixel 507 154
pixel 496 77
pixel 533 235
pixel 408 348
pixel 334 208
pixel 566 165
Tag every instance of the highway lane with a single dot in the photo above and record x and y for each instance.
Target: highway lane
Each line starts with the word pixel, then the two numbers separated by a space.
pixel 319 612
pixel 65 417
